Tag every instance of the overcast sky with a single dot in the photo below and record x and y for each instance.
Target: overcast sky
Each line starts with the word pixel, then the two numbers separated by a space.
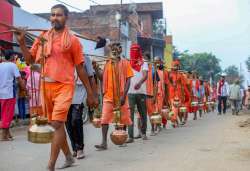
pixel 218 26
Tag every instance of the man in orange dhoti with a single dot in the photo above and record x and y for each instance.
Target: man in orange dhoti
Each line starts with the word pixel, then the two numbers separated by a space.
pixel 62 53
pixel 187 100
pixel 176 91
pixel 195 93
pixel 201 96
pixel 160 89
pixel 116 82
pixel 189 87
pixel 207 95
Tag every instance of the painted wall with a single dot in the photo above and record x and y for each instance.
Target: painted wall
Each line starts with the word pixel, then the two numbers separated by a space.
pixel 168 52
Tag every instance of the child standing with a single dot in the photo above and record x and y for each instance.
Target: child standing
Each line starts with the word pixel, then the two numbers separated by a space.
pixel 22 98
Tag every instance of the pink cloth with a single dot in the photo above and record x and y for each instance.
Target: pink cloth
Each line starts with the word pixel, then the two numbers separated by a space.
pixel 160 93
pixel 247 97
pixel 34 93
pixel 27 71
pixel 7 111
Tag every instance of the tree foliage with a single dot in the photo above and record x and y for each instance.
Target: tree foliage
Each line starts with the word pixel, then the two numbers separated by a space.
pixel 206 64
pixel 233 74
pixel 248 63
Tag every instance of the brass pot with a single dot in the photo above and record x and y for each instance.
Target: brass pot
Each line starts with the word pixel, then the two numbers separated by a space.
pixel 97 122
pixel 183 109
pixel 176 103
pixel 41 120
pixel 118 137
pixel 170 114
pixel 201 105
pixel 194 104
pixel 32 121
pixel 156 118
pixel 41 132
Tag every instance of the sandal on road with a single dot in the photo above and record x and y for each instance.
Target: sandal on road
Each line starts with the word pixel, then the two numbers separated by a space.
pixel 80 154
pixel 101 147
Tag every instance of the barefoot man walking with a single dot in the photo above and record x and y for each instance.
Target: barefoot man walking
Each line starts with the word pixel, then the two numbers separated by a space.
pixel 63 53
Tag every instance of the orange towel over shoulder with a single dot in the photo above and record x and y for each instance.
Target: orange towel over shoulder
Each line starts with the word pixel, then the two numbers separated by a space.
pixel 110 87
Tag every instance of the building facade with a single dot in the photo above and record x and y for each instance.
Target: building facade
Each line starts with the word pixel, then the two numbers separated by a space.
pixel 140 23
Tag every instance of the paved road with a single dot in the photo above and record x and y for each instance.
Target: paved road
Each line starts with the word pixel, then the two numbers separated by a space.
pixel 213 143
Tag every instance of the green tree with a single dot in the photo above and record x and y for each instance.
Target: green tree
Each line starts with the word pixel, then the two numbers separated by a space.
pixel 233 74
pixel 206 64
pixel 248 63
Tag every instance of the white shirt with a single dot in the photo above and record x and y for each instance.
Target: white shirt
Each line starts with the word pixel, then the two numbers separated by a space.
pixel 136 78
pixel 224 89
pixel 80 93
pixel 234 92
pixel 8 73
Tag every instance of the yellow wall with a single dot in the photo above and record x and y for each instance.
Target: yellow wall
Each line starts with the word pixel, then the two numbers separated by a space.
pixel 168 55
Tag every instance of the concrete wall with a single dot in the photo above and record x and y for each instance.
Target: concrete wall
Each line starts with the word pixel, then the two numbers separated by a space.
pixel 147 24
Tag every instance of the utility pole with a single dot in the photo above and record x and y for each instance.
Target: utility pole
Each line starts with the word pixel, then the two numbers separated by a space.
pixel 120 22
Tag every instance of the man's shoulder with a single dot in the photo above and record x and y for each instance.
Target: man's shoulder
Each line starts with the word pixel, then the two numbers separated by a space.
pixel 13 65
pixel 126 62
pixel 74 38
pixel 8 64
pixel 124 59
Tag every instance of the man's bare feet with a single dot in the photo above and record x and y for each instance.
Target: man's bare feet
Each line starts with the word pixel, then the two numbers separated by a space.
pixel 50 169
pixel 68 162
pixel 5 136
pixel 152 133
pixel 144 137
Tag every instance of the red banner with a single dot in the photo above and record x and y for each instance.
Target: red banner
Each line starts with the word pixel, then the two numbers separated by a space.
pixel 6 16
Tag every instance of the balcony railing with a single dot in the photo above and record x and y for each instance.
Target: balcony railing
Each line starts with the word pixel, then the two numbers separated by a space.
pixel 159 28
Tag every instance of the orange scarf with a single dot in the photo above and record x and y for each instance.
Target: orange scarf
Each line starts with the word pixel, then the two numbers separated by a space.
pixel 109 75
pixel 66 42
pixel 149 82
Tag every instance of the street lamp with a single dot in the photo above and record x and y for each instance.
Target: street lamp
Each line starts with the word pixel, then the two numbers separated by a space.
pixel 118 18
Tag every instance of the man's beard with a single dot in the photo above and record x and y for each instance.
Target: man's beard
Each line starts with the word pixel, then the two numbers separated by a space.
pixel 57 26
pixel 115 54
